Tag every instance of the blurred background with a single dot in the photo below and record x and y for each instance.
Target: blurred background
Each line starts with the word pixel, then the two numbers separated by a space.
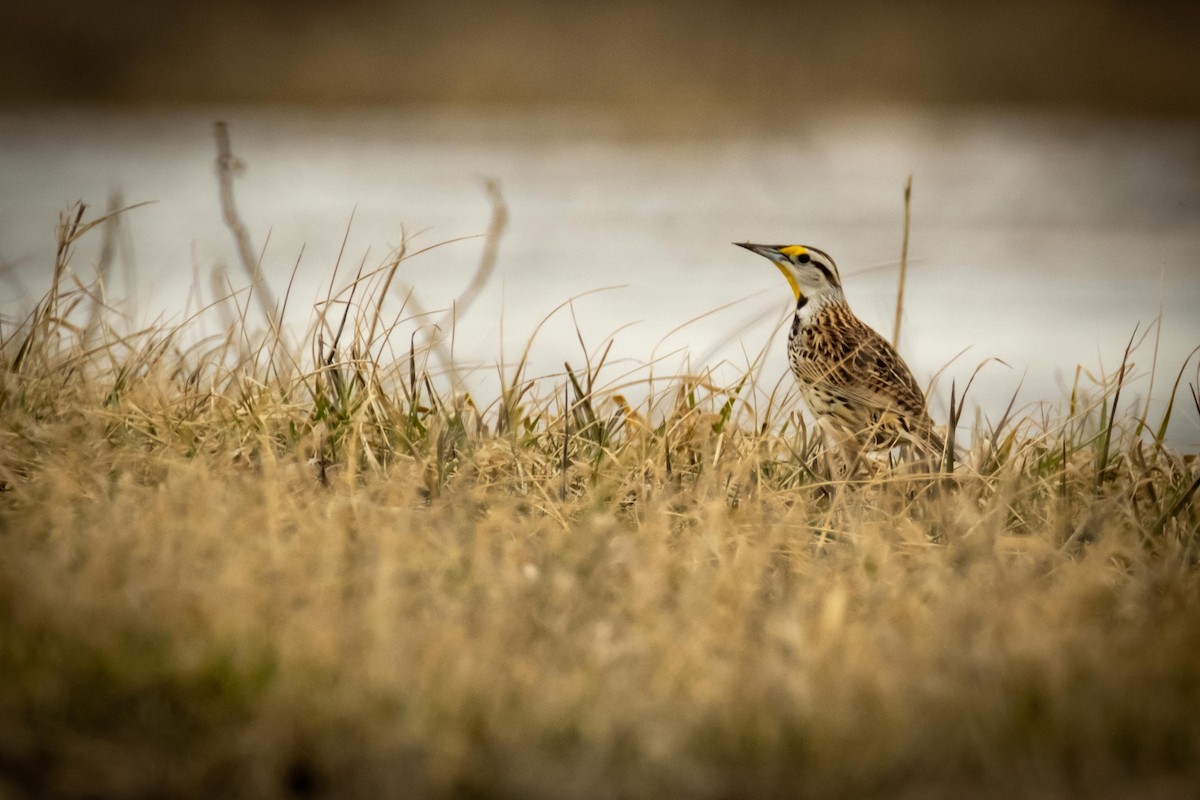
pixel 659 61
pixel 1054 149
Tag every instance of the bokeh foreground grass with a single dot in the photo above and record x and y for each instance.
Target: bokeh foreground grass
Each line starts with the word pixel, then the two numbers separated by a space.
pixel 250 569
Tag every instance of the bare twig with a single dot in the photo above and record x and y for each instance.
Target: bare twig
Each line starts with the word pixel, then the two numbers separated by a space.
pixel 227 167
pixel 109 242
pixel 104 262
pixel 903 262
pixel 491 247
pixel 566 439
pixel 218 283
pixel 1107 424
pixel 483 273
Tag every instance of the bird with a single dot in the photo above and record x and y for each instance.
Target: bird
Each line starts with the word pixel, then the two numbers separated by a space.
pixel 851 378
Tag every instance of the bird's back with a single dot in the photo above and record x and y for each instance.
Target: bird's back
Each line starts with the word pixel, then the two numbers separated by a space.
pixel 852 376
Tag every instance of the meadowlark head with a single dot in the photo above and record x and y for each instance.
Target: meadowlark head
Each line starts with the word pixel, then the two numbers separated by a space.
pixel 810 272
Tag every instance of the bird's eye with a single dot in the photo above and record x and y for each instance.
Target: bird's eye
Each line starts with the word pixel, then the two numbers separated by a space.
pixel 804 258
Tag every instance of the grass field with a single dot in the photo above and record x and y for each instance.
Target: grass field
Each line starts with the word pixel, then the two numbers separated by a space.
pixel 254 568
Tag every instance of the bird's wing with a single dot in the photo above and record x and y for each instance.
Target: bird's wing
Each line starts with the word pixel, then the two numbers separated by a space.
pixel 872 374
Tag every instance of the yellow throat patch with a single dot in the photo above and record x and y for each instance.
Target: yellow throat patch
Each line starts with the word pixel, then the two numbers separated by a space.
pixel 790 279
pixel 791 251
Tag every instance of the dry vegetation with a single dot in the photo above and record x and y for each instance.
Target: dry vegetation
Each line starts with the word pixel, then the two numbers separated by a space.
pixel 246 568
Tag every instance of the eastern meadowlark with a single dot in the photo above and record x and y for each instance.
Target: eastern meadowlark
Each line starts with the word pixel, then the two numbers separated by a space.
pixel 851 378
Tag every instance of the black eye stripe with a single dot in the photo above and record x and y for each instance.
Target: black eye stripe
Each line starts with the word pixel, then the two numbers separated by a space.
pixel 824 270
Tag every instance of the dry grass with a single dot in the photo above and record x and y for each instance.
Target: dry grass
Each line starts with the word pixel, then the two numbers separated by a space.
pixel 244 569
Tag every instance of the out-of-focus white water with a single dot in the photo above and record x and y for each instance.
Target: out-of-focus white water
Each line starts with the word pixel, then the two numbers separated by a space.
pixel 1040 241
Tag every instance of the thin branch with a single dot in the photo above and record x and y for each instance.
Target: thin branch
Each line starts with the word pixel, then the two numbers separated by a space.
pixel 227 167
pixel 483 273
pixel 903 262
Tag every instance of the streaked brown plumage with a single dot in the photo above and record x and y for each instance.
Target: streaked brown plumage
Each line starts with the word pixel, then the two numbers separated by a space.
pixel 850 377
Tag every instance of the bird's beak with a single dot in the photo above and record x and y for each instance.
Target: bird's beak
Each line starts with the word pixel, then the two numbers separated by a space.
pixel 778 259
pixel 764 250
